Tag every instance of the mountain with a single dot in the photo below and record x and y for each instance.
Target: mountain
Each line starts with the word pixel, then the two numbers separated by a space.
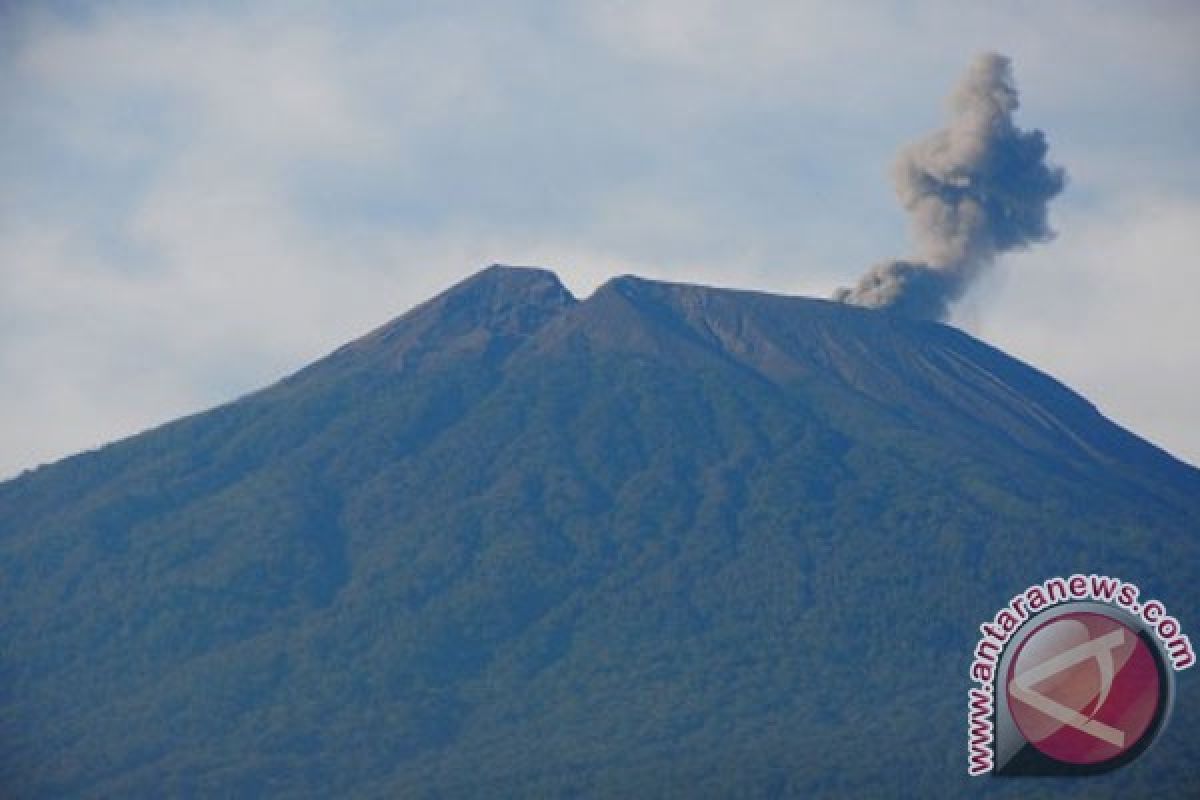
pixel 665 541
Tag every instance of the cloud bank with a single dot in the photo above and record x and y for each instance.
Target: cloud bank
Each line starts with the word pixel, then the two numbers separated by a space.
pixel 198 198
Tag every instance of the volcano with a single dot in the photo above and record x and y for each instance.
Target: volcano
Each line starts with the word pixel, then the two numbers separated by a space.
pixel 666 541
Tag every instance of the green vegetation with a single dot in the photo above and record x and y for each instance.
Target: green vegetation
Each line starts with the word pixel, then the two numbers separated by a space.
pixel 665 542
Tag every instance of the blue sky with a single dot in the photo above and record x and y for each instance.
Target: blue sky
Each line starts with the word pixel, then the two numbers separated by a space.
pixel 198 198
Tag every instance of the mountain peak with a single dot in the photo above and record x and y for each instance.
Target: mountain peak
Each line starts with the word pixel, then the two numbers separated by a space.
pixel 494 293
pixel 491 309
pixel 512 277
pixel 478 540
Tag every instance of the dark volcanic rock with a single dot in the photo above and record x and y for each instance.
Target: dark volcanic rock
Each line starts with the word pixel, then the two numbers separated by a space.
pixel 667 541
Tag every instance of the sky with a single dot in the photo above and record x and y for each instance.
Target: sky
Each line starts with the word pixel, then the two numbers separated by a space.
pixel 199 198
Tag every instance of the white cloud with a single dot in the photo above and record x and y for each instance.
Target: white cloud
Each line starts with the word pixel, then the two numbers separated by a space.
pixel 1110 309
pixel 193 202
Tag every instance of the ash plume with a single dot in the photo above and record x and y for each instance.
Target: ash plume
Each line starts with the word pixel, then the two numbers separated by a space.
pixel 973 190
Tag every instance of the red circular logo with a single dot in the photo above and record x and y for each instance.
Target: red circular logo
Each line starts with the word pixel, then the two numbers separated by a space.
pixel 1084 688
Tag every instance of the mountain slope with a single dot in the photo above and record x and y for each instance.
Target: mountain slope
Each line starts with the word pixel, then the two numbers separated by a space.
pixel 668 540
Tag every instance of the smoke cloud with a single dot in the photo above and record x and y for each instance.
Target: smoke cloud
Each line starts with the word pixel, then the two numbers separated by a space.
pixel 975 189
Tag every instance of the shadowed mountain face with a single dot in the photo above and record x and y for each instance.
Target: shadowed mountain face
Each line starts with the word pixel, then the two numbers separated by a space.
pixel 667 541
